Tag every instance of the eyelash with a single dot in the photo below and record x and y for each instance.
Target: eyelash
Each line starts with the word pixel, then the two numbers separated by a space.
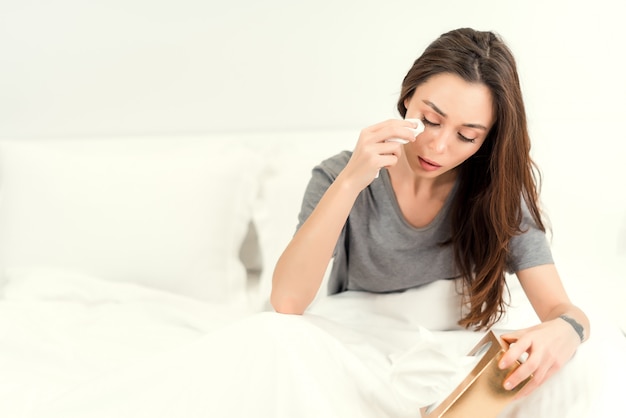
pixel 463 138
pixel 429 123
pixel 466 139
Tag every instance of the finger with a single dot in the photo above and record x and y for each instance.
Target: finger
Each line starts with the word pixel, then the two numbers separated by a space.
pixel 391 146
pixel 398 140
pixel 410 123
pixel 534 383
pixel 388 160
pixel 528 388
pixel 532 367
pixel 380 125
pixel 512 336
pixel 376 155
pixel 395 132
pixel 515 352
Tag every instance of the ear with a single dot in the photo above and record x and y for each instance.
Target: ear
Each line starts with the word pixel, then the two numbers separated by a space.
pixel 407 101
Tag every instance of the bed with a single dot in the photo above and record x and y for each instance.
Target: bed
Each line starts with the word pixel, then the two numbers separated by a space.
pixel 135 275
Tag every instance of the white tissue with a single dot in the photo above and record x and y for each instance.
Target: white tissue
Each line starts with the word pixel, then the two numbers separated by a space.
pixel 420 126
pixel 416 131
pixel 428 372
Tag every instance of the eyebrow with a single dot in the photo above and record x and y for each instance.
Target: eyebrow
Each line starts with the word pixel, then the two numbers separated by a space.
pixel 442 113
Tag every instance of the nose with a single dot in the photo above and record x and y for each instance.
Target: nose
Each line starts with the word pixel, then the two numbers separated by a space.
pixel 439 141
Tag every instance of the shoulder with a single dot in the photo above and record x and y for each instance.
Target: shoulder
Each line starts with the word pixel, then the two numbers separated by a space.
pixel 322 176
pixel 530 247
pixel 332 166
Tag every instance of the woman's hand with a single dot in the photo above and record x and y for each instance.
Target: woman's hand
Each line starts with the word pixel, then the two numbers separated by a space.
pixel 549 346
pixel 375 150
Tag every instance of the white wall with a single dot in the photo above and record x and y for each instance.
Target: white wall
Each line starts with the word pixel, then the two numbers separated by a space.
pixel 109 67
pixel 143 66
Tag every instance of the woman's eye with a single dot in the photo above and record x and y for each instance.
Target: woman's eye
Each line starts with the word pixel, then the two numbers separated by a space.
pixel 429 123
pixel 466 139
pixel 462 137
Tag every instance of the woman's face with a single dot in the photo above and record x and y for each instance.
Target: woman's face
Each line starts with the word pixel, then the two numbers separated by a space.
pixel 457 116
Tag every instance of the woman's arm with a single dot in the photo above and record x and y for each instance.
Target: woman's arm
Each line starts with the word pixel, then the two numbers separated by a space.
pixel 552 343
pixel 300 269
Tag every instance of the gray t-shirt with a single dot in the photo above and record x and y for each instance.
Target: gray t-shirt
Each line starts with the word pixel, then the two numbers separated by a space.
pixel 379 251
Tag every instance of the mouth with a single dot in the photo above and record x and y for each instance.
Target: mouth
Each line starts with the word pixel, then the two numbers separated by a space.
pixel 428 164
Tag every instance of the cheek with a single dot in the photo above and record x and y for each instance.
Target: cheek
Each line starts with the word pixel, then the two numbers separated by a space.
pixel 465 152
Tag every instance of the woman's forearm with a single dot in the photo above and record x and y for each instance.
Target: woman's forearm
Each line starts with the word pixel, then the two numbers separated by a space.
pixel 300 269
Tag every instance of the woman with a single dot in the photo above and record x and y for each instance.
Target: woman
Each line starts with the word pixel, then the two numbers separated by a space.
pixel 457 201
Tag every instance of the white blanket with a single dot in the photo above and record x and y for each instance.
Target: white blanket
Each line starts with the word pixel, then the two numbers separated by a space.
pixel 73 346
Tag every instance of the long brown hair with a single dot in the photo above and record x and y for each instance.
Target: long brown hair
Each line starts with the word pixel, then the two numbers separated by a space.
pixel 487 209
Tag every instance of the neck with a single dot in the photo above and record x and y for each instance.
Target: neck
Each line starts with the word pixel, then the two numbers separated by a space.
pixel 403 176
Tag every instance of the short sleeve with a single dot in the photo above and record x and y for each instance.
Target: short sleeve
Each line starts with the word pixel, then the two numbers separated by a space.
pixel 322 176
pixel 530 248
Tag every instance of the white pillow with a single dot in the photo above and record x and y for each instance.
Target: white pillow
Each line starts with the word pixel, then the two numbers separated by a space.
pixel 170 213
pixel 289 161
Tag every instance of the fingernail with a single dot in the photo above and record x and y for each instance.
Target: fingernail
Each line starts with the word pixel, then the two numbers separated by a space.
pixel 502 365
pixel 508 385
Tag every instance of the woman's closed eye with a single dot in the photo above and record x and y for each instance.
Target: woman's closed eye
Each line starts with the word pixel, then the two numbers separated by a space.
pixel 466 139
pixel 429 123
pixel 463 138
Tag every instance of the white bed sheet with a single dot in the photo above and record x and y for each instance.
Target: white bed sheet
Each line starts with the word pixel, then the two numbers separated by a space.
pixel 74 346
pixel 58 330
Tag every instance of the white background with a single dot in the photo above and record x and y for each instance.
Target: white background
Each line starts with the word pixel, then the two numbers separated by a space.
pixel 144 67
